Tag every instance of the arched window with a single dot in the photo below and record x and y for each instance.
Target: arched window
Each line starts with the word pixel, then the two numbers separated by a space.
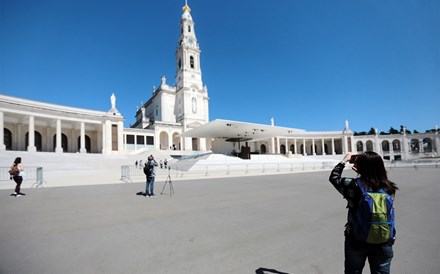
pixel 87 143
pixel 164 140
pixel 180 63
pixel 370 145
pixel 191 61
pixel 283 149
pixel 37 140
pixel 386 146
pixel 396 145
pixel 292 148
pixel 63 142
pixel 427 145
pixel 189 28
pixel 359 146
pixel 263 149
pixel 7 138
pixel 414 144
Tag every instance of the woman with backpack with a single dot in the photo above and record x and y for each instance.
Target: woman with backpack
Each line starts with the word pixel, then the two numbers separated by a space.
pixel 17 174
pixel 370 231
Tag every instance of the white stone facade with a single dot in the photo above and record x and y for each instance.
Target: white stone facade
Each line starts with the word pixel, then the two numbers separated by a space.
pixel 36 126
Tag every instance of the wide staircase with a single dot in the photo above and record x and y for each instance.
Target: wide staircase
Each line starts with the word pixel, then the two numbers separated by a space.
pixel 67 169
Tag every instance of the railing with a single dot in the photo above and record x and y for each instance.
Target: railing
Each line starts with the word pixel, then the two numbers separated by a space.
pixel 416 163
pixel 32 174
pixel 228 169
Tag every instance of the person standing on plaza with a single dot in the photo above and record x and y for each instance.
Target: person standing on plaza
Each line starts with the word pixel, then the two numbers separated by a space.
pixel 150 174
pixel 17 173
pixel 369 237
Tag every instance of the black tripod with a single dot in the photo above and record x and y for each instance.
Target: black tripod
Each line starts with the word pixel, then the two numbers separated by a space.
pixel 168 181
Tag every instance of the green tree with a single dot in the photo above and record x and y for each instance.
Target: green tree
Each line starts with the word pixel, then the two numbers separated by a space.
pixel 371 132
pixel 393 131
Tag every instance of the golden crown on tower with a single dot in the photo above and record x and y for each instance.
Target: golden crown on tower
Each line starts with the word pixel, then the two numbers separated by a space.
pixel 186 7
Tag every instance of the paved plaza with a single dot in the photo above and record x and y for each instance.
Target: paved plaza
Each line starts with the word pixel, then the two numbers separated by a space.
pixel 291 223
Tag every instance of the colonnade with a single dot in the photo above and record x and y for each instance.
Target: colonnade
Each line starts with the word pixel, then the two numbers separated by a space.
pixel 304 145
pixel 46 126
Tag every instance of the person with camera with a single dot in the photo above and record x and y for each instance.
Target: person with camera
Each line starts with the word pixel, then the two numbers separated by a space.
pixel 370 229
pixel 150 174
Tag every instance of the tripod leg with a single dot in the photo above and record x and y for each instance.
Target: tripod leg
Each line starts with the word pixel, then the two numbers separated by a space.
pixel 161 193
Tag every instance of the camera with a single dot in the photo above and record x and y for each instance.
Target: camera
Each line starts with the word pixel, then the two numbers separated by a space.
pixel 353 158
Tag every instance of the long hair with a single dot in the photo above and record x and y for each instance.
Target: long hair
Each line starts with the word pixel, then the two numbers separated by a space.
pixel 17 160
pixel 372 172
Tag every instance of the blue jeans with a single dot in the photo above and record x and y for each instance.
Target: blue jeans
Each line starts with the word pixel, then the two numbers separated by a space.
pixel 149 190
pixel 379 256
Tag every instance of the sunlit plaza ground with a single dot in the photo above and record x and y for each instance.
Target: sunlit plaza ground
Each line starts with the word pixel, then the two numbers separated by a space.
pixel 289 223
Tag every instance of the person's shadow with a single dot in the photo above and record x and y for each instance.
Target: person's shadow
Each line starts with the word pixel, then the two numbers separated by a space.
pixel 262 270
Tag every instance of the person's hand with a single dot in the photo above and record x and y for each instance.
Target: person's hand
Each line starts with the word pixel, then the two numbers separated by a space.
pixel 347 157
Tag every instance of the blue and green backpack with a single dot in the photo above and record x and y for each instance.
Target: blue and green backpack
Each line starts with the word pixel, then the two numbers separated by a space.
pixel 373 222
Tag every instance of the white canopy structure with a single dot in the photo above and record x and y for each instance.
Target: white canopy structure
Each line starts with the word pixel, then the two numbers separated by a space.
pixel 239 131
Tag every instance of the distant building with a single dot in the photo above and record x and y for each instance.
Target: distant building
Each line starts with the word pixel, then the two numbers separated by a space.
pixel 176 118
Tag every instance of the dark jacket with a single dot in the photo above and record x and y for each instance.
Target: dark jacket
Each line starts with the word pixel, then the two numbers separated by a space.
pixel 349 189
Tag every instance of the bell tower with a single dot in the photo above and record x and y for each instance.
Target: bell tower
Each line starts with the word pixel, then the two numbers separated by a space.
pixel 191 93
pixel 188 71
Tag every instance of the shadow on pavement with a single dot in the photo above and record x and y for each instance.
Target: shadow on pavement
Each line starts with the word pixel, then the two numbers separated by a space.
pixel 262 270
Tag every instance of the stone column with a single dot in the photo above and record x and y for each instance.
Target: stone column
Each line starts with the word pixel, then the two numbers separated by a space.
pixel 421 149
pixel 58 148
pixel 120 136
pixel 278 145
pixel 272 148
pixel 333 146
pixel 305 147
pixel 344 145
pixel 377 144
pixel 31 147
pixel 103 141
pixel 83 139
pixel 313 147
pixel 323 147
pixel 108 137
pixel 2 136
pixel 437 141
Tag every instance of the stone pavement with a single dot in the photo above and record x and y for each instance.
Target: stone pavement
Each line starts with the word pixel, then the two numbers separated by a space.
pixel 290 223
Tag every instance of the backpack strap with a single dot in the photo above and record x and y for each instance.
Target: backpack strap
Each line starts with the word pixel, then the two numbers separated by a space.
pixel 361 185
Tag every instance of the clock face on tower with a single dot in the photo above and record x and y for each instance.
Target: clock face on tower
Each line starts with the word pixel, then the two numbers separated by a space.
pixel 190 41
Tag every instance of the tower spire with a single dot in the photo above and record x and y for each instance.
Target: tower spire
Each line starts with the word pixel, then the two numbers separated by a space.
pixel 186 8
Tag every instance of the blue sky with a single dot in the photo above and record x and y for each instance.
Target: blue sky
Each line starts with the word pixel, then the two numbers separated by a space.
pixel 310 64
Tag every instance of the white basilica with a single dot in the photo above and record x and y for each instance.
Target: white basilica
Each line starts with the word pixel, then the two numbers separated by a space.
pixel 176 120
pixel 173 110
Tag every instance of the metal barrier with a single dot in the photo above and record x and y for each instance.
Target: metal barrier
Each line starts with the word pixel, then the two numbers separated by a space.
pixel 127 172
pixel 32 173
pixel 228 169
pixel 415 164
